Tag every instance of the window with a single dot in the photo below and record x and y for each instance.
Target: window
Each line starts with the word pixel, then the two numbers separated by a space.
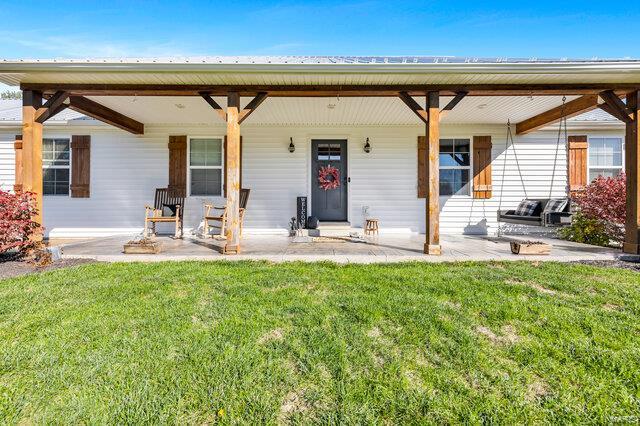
pixel 205 166
pixel 455 166
pixel 328 152
pixel 605 157
pixel 55 166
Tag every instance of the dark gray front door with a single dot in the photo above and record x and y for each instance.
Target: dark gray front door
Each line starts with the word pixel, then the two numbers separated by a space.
pixel 330 205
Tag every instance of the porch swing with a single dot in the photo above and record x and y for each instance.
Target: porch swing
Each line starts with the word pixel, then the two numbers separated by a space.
pixel 541 212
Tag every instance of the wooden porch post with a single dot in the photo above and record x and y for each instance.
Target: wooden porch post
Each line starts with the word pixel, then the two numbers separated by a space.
pixel 232 174
pixel 632 169
pixel 432 243
pixel 32 149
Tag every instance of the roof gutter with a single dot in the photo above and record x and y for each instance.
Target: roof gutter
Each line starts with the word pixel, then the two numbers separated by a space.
pixel 11 67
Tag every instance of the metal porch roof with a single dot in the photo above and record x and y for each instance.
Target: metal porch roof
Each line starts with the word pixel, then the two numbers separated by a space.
pixel 319 70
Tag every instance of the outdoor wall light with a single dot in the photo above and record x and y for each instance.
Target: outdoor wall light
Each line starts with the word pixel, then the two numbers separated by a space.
pixel 367 146
pixel 292 147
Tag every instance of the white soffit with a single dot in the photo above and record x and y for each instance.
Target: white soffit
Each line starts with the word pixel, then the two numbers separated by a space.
pixel 329 111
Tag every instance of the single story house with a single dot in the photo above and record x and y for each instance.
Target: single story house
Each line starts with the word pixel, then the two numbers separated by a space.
pixel 422 144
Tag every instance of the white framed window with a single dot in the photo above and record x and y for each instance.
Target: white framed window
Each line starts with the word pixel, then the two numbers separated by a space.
pixel 205 166
pixel 56 160
pixel 455 166
pixel 605 157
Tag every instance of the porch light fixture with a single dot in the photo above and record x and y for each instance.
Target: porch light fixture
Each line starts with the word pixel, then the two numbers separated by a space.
pixel 367 147
pixel 292 147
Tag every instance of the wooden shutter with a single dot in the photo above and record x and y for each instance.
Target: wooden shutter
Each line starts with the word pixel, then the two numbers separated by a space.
pixel 577 163
pixel 178 163
pixel 80 166
pixel 482 167
pixel 422 167
pixel 224 171
pixel 17 146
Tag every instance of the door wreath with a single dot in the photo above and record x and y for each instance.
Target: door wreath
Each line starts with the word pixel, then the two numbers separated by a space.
pixel 328 177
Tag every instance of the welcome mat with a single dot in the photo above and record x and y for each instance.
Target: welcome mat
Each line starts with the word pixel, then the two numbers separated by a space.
pixel 330 239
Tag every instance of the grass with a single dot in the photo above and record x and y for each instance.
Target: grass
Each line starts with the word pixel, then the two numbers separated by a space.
pixel 201 343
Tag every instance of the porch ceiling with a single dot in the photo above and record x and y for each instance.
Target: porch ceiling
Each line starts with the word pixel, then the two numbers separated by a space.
pixel 329 111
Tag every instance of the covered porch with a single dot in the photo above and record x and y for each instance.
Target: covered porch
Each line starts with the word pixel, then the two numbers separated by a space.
pixel 235 92
pixel 385 248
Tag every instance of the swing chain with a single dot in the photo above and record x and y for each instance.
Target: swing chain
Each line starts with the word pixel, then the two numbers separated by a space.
pixel 563 120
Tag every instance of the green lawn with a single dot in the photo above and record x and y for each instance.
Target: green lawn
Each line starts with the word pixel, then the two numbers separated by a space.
pixel 200 343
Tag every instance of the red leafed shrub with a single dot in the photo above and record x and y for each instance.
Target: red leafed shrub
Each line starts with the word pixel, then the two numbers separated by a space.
pixel 16 221
pixel 604 200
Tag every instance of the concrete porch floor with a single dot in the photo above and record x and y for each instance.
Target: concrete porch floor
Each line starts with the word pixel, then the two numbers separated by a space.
pixel 385 248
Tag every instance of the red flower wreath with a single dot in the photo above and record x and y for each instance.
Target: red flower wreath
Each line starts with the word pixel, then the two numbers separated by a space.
pixel 329 177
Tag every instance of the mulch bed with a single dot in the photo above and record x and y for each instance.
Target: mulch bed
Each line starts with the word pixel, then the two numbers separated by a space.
pixel 10 266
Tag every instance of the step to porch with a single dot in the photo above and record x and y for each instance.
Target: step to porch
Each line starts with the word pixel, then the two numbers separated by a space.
pixel 331 229
pixel 334 226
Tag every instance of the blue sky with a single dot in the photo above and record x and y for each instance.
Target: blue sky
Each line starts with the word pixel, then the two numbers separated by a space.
pixel 574 29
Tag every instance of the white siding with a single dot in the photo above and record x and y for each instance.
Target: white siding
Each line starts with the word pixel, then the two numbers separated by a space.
pixel 125 169
pixel 7 161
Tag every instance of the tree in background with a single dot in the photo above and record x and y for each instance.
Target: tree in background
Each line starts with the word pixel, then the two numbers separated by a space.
pixel 11 94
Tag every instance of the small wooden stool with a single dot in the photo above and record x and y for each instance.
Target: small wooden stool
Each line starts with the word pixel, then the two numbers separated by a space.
pixel 371 227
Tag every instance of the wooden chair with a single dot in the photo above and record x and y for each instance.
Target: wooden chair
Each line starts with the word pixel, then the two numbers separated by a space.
pixel 221 218
pixel 165 198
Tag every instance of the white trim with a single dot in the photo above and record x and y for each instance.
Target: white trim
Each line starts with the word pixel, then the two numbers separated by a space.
pixel 69 167
pixel 176 65
pixel 221 167
pixel 603 136
pixel 323 136
pixel 470 167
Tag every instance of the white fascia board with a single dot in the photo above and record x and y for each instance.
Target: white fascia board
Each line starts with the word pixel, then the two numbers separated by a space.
pixel 588 68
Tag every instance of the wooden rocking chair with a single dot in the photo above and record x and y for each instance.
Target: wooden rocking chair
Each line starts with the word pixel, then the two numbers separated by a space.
pixel 220 219
pixel 168 206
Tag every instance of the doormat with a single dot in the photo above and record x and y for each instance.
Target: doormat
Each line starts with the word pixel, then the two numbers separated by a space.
pixel 330 239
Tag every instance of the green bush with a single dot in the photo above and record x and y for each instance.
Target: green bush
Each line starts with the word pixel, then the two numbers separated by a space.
pixel 586 230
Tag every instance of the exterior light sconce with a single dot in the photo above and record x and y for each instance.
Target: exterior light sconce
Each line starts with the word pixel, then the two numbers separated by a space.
pixel 292 147
pixel 367 147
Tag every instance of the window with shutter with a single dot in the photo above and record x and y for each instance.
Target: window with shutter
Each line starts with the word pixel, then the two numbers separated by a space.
pixel 178 163
pixel 482 180
pixel 80 166
pixel 17 146
pixel 577 164
pixel 56 166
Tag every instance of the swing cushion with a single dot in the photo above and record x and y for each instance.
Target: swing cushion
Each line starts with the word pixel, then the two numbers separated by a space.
pixel 529 208
pixel 555 205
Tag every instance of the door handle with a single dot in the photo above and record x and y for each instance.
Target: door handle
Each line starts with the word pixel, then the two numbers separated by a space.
pixel 348 180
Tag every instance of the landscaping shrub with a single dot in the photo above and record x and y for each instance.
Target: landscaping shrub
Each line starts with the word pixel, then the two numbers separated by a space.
pixel 16 221
pixel 586 230
pixel 602 211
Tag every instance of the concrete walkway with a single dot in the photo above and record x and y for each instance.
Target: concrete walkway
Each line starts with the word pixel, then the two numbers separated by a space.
pixel 386 248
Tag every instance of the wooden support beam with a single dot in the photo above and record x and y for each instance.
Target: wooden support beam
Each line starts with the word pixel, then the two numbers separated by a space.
pixel 232 174
pixel 632 170
pixel 32 151
pixel 606 108
pixel 252 106
pixel 17 147
pixel 432 202
pixel 616 107
pixel 570 109
pixel 51 107
pixel 106 115
pixel 414 106
pixel 389 90
pixel 455 101
pixel 216 107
